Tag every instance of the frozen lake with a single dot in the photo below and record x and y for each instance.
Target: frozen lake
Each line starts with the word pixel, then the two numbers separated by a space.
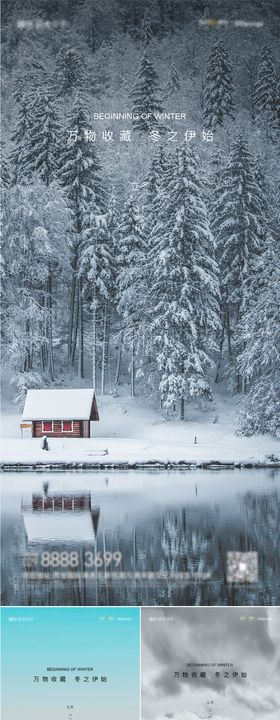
pixel 159 522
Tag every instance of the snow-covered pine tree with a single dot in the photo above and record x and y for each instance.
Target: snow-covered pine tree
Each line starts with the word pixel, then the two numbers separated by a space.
pixel 259 361
pixel 162 11
pixel 42 148
pixel 34 224
pixel 145 97
pixel 80 174
pixel 156 176
pixel 70 72
pixel 146 29
pixel 265 87
pixel 215 181
pixel 98 269
pixel 30 80
pixel 5 180
pixel 218 102
pixel 20 136
pixel 92 20
pixel 35 76
pixel 184 292
pixel 131 15
pixel 173 9
pixel 173 81
pixel 250 64
pixel 40 158
pixel 132 280
pixel 238 212
pixel 78 166
pixel 154 188
pixel 276 122
pixel 5 172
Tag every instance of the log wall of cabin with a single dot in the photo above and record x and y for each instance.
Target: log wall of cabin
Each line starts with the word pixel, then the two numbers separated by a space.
pixel 85 432
pixel 57 429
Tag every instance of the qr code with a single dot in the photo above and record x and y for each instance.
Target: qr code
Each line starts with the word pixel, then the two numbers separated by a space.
pixel 242 567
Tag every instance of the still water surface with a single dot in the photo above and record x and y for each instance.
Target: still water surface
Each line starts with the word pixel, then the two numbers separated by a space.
pixel 162 522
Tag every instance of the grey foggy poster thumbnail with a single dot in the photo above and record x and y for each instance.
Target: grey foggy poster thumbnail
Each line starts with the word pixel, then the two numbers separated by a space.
pixel 218 663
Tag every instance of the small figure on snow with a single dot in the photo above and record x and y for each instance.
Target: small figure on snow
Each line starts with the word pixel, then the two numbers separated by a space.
pixel 44 443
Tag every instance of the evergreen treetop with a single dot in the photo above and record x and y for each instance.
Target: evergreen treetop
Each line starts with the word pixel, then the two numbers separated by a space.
pixel 218 103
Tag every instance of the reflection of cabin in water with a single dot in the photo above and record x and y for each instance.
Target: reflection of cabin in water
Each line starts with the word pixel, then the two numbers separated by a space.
pixel 60 413
pixel 58 518
pixel 59 524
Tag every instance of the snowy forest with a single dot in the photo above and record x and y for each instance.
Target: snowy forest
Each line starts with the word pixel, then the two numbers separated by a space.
pixel 135 250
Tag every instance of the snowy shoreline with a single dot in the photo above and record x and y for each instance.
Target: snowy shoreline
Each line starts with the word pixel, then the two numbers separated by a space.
pixel 137 465
pixel 131 435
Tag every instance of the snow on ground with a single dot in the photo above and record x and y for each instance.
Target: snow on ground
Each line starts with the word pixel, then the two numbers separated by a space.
pixel 187 715
pixel 132 430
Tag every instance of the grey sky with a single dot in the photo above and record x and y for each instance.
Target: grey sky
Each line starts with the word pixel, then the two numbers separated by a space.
pixel 177 636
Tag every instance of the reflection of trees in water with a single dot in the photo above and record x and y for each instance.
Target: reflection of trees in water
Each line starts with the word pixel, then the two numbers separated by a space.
pixel 13 543
pixel 188 539
pixel 186 547
pixel 177 541
pixel 193 540
pixel 261 519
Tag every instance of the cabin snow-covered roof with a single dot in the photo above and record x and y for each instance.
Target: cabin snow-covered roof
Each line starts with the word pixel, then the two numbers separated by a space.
pixel 59 526
pixel 60 405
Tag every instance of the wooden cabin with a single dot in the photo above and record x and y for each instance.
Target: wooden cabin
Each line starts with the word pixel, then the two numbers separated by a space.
pixel 60 413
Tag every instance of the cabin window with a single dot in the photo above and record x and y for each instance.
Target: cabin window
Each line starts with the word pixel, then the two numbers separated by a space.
pixel 67 425
pixel 47 426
